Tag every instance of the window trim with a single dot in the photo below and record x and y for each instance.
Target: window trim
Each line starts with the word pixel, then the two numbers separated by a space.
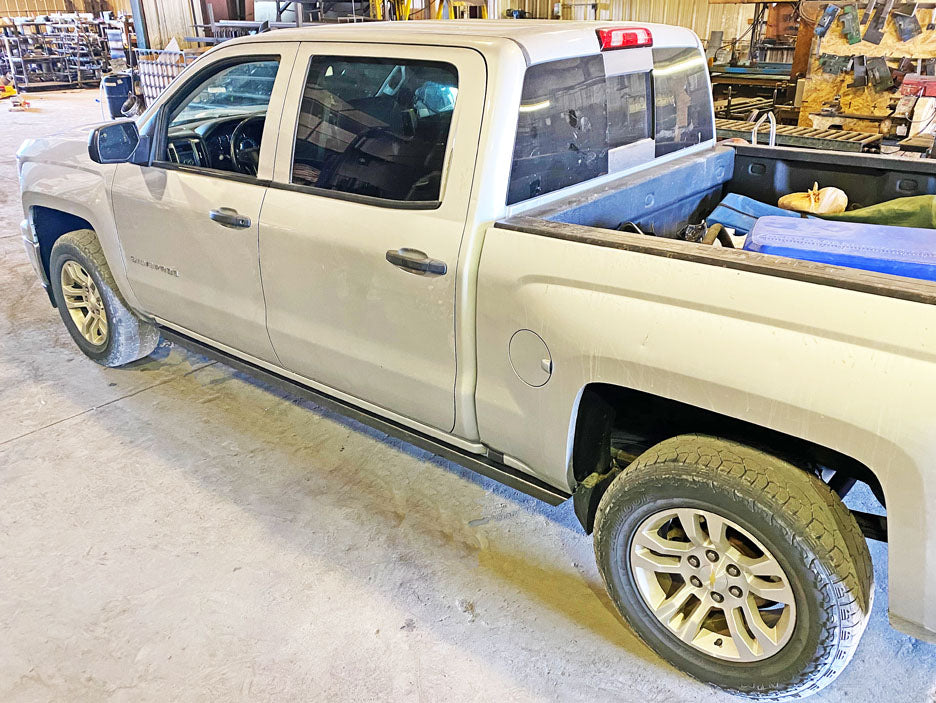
pixel 387 203
pixel 161 127
pixel 360 199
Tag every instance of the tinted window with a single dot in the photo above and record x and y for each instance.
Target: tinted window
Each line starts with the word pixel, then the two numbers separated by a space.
pixel 375 127
pixel 628 116
pixel 571 114
pixel 682 100
pixel 562 129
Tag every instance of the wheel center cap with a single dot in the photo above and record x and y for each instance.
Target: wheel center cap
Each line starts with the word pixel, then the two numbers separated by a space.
pixel 718 580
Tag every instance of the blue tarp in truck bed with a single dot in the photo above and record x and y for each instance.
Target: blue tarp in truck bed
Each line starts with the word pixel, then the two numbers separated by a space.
pixel 900 251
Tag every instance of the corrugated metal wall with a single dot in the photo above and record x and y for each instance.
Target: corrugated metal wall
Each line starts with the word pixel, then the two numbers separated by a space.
pixel 168 18
pixel 697 15
pixel 30 8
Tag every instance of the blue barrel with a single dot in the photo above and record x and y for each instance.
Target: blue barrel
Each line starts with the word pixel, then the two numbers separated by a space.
pixel 114 93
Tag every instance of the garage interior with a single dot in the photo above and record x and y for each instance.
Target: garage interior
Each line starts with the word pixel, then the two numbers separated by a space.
pixel 178 530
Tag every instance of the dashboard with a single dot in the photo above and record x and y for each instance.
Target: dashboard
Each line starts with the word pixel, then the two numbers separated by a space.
pixel 206 144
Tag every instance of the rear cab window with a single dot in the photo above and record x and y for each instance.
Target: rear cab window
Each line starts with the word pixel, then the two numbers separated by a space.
pixel 585 117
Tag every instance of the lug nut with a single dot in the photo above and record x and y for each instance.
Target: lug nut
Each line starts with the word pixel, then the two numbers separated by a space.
pixel 695 581
pixel 733 570
pixel 711 555
pixel 735 591
pixel 693 561
pixel 717 597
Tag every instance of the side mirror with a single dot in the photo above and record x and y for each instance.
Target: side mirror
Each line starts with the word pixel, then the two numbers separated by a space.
pixel 113 143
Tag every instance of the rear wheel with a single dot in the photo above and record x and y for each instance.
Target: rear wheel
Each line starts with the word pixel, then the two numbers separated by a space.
pixel 94 312
pixel 738 568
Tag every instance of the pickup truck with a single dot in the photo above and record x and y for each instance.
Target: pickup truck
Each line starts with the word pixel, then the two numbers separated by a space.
pixel 416 224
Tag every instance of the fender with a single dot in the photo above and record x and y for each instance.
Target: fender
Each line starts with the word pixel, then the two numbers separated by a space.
pixel 56 173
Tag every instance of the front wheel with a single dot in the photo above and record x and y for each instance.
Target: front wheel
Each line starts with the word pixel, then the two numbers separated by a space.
pixel 736 567
pixel 92 308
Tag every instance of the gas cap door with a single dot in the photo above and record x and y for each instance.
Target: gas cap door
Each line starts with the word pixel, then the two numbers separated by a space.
pixel 530 358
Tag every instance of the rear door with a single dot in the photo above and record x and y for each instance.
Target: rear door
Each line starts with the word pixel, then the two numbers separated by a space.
pixel 361 228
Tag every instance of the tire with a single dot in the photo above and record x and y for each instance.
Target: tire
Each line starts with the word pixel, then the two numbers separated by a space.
pixel 123 337
pixel 789 514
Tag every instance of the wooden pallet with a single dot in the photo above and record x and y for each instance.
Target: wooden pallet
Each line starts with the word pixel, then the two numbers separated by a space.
pixel 805 137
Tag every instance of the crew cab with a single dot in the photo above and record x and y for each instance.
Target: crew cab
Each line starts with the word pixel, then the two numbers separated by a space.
pixel 416 224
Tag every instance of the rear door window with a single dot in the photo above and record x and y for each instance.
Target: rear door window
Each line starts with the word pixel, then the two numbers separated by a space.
pixel 681 100
pixel 375 127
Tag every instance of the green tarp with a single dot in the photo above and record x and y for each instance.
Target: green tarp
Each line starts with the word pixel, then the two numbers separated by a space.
pixel 915 211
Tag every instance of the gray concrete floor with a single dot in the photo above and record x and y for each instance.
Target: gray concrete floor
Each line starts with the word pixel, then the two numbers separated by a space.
pixel 173 530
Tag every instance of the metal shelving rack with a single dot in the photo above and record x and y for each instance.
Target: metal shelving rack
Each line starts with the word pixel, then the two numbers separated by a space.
pixel 50 54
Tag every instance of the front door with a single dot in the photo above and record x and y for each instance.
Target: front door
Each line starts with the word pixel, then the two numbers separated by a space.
pixel 361 228
pixel 189 222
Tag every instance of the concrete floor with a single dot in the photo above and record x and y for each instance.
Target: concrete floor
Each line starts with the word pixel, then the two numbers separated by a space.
pixel 175 531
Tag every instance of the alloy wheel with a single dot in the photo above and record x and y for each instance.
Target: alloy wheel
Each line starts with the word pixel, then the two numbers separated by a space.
pixel 84 303
pixel 712 584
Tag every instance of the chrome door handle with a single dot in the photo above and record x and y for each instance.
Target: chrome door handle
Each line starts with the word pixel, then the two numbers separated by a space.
pixel 228 217
pixel 415 261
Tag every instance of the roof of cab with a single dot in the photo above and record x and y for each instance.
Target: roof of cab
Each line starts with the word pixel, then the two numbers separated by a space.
pixel 541 40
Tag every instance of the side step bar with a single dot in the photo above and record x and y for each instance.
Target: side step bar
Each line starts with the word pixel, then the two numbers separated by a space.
pixel 479 464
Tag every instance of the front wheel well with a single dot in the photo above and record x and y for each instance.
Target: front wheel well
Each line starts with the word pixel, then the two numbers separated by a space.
pixel 49 224
pixel 614 425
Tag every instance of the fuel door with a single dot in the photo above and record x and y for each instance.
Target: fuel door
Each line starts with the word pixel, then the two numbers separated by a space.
pixel 530 358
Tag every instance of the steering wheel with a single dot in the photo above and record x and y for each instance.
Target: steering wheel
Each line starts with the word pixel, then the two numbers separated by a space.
pixel 245 150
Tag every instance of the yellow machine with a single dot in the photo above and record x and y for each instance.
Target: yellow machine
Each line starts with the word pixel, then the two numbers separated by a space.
pixel 460 9
pixel 445 9
pixel 396 9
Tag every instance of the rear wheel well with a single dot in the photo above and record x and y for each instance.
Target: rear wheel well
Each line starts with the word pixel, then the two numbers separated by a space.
pixel 618 424
pixel 50 224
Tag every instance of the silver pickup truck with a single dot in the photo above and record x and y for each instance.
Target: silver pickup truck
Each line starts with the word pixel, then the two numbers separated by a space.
pixel 415 224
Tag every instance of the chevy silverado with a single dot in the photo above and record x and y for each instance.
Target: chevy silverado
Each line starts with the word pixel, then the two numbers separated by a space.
pixel 416 224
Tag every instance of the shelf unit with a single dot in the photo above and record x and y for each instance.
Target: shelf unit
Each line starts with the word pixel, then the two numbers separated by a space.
pixel 55 53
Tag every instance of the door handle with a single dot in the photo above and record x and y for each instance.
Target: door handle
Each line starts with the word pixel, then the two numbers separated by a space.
pixel 415 261
pixel 229 218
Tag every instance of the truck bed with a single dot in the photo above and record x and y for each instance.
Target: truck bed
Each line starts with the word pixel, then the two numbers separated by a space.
pixel 662 199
